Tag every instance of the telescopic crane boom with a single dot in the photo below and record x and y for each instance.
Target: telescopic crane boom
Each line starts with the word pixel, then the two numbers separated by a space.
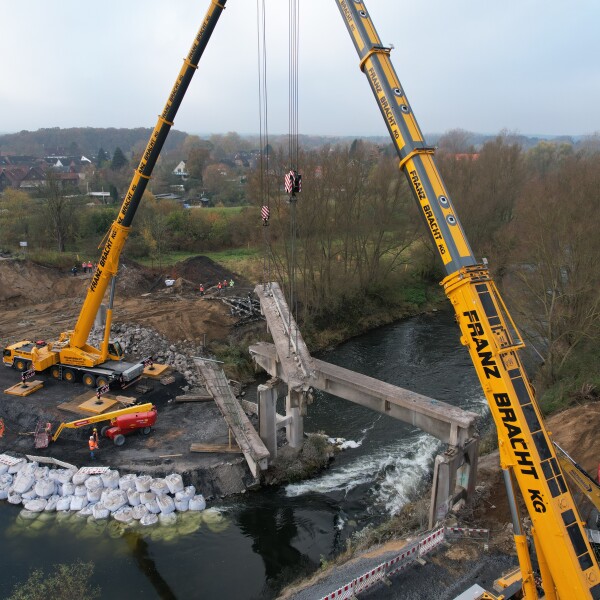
pixel 567 563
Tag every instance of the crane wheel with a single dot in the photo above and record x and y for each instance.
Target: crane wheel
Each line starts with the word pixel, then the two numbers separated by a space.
pixel 21 364
pixel 101 380
pixel 104 430
pixel 145 430
pixel 69 375
pixel 119 439
pixel 55 372
pixel 89 380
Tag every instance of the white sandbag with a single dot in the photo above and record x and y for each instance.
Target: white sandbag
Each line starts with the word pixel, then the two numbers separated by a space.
pixel 3 493
pixel 29 495
pixel 174 482
pixel 80 477
pixel 115 500
pixel 159 487
pixel 30 468
pixel 16 468
pixel 99 511
pixel 182 505
pixel 110 479
pixel 93 496
pixel 64 503
pixel 197 503
pixel 36 505
pixel 166 504
pixel 80 490
pixel 6 480
pixel 139 511
pixel 127 482
pixel 167 519
pixel 41 473
pixel 152 507
pixel 23 482
pixel 68 489
pixel 142 483
pixel 28 515
pixel 123 515
pixel 45 488
pixel 133 497
pixel 147 497
pixel 94 483
pixel 86 511
pixel 51 503
pixel 64 475
pixel 187 493
pixel 105 494
pixel 149 519
pixel 3 469
pixel 78 502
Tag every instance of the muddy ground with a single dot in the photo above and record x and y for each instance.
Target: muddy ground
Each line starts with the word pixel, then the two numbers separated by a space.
pixel 38 303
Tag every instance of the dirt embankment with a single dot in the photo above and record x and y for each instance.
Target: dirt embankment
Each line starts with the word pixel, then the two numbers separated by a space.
pixel 40 302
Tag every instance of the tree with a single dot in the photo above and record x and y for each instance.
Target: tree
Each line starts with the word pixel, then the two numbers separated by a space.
pixel 118 160
pixel 102 158
pixel 58 209
pixel 67 582
pixel 558 277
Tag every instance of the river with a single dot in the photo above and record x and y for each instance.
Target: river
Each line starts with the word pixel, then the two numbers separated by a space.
pixel 262 540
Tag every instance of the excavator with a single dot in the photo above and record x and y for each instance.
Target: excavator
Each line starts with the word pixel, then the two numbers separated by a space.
pixel 567 565
pixel 71 358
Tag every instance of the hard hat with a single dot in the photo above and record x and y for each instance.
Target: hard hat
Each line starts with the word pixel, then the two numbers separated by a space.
pixel 91 437
pixel 95 429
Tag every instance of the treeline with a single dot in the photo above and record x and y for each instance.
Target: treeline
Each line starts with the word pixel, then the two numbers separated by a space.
pixel 77 141
pixel 352 244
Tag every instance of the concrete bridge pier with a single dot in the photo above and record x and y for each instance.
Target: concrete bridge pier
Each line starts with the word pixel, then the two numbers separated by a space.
pixel 267 417
pixel 454 478
pixel 295 408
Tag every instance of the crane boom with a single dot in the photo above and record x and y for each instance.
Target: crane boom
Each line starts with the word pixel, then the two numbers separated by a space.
pixel 119 231
pixel 489 334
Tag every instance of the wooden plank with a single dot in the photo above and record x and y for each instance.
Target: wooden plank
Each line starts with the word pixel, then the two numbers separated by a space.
pixel 194 398
pixel 97 406
pixel 25 389
pixel 215 448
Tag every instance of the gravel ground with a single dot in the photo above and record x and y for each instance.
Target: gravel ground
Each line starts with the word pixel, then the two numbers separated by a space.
pixel 449 570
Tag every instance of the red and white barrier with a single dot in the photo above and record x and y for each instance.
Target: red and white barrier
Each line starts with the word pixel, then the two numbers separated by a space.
pixel 431 541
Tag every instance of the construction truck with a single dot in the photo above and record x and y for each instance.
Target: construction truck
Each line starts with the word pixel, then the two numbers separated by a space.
pixel 124 421
pixel 567 565
pixel 71 358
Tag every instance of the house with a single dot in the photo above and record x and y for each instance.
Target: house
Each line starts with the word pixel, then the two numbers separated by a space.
pixel 180 170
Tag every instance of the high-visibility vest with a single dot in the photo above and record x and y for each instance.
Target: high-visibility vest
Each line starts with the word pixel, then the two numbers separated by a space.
pixel 92 444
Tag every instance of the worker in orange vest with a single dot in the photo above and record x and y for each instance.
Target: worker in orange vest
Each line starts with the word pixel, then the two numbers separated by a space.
pixel 201 290
pixel 93 444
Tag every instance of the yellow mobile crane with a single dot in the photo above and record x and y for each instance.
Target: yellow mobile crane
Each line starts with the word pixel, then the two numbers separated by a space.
pixel 71 357
pixel 567 564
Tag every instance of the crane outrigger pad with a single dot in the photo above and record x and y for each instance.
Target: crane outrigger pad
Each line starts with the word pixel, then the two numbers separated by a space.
pixel 24 389
pixel 96 405
pixel 155 371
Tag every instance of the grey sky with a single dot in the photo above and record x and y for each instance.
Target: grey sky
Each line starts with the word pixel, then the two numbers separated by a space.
pixel 529 66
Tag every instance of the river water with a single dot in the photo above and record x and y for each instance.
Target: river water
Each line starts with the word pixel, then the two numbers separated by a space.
pixel 260 541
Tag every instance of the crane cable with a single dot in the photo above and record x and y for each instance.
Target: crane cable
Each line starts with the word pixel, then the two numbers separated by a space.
pixel 264 191
pixel 293 179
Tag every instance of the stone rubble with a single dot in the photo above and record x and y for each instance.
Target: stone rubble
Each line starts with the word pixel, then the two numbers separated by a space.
pixel 142 342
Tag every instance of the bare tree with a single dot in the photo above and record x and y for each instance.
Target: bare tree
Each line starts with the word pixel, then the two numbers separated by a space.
pixel 58 208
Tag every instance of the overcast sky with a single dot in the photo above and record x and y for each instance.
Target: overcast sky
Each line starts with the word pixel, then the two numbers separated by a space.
pixel 529 66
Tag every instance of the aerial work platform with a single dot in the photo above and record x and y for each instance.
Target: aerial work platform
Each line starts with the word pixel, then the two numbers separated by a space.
pixel 249 442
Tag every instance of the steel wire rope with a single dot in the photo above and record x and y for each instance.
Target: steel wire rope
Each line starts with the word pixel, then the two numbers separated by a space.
pixel 263 105
pixel 294 45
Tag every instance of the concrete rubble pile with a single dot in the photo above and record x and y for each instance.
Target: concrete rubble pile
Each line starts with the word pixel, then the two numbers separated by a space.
pixel 141 342
pixel 126 498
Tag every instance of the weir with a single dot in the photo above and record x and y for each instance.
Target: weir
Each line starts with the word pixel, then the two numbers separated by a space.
pixel 288 360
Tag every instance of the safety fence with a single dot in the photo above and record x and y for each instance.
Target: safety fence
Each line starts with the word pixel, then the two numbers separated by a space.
pixel 411 552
